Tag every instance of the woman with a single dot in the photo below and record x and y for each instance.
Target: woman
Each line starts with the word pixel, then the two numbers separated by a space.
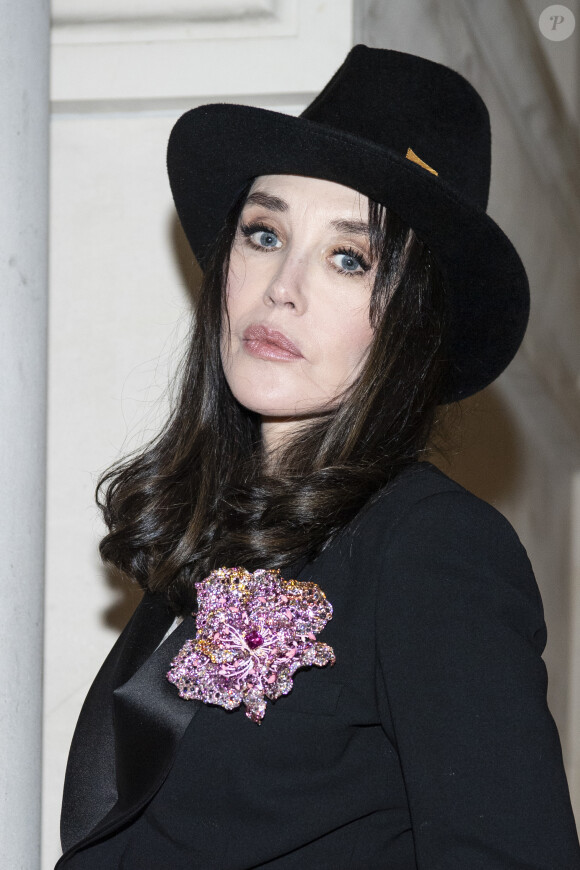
pixel 379 624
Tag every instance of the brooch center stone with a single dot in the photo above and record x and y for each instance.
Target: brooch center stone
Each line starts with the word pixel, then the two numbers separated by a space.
pixel 254 639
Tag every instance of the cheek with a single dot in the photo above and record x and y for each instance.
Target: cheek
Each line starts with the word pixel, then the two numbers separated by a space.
pixel 350 337
pixel 356 352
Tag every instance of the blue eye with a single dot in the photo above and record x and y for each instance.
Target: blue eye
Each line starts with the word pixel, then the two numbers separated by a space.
pixel 348 262
pixel 266 239
pixel 261 237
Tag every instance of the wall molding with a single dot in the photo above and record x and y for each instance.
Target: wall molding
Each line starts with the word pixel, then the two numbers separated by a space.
pixel 101 11
pixel 96 23
pixel 259 47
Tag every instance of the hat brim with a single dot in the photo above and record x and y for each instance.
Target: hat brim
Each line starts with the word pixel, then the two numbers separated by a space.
pixel 214 150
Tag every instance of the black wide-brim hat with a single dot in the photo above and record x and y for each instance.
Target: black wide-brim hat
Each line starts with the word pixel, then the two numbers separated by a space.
pixel 409 133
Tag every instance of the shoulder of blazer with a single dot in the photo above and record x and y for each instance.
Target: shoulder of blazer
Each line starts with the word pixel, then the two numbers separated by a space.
pixel 422 499
pixel 427 523
pixel 388 507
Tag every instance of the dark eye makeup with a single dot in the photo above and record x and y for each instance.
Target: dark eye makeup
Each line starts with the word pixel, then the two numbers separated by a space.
pixel 248 230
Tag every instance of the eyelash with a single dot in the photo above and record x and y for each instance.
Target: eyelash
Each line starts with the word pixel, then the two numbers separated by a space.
pixel 248 230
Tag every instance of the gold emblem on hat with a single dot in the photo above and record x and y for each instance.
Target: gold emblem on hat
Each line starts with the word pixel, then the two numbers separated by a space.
pixel 410 155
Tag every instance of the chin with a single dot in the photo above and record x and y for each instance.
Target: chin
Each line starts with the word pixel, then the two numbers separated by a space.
pixel 274 408
pixel 269 403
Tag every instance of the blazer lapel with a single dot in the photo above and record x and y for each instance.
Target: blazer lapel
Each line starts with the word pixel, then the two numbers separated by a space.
pixel 149 719
pixel 144 633
pixel 90 789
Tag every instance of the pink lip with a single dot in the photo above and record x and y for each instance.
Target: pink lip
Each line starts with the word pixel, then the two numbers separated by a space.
pixel 266 343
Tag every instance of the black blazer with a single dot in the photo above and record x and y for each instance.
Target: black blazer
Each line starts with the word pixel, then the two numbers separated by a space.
pixel 427 745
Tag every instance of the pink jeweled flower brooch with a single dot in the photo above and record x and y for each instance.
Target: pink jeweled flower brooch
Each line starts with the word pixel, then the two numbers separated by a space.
pixel 253 632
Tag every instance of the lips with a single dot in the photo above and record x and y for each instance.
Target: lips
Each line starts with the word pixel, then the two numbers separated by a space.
pixel 268 343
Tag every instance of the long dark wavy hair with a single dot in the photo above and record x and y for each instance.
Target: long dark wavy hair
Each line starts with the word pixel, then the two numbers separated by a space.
pixel 199 496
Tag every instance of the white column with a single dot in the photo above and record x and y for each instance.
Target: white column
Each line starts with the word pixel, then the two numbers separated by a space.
pixel 24 43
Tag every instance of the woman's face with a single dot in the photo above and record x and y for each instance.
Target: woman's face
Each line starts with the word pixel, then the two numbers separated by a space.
pixel 298 293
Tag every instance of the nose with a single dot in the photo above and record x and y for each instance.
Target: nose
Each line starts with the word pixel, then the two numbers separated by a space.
pixel 287 284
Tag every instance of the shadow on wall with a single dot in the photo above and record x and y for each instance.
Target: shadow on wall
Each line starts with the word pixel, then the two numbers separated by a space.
pixel 478 446
pixel 127 596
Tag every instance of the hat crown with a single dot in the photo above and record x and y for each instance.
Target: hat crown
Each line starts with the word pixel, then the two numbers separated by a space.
pixel 399 102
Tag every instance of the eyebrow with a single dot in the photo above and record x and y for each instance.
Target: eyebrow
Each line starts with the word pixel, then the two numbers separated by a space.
pixel 357 228
pixel 275 203
pixel 266 200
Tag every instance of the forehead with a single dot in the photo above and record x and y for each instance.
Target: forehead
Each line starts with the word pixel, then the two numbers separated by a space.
pixel 301 190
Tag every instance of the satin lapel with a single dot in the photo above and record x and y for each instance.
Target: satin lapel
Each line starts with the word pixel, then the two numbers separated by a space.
pixel 150 719
pixel 90 789
pixel 145 631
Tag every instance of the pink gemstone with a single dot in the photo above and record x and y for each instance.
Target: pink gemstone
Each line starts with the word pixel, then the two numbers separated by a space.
pixel 254 639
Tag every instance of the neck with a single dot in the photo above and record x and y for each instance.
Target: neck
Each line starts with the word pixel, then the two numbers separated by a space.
pixel 277 432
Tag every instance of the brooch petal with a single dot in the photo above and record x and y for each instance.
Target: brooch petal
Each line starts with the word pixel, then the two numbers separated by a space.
pixel 253 632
